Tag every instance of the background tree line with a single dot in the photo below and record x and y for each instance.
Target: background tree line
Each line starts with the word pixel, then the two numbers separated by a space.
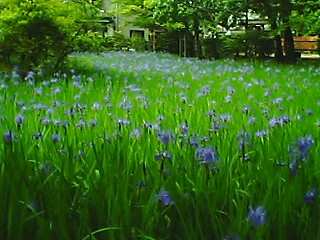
pixel 197 16
pixel 40 34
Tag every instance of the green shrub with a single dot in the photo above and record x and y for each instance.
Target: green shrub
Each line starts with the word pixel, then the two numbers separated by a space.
pixel 168 42
pixel 258 43
pixel 140 44
pixel 117 42
pixel 40 34
pixel 89 41
pixel 231 45
pixel 212 48
pixel 252 43
pixel 35 44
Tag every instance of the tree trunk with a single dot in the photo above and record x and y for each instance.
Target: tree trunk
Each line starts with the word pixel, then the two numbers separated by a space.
pixel 185 43
pixel 153 40
pixel 286 8
pixel 197 42
pixel 278 54
pixel 289 46
pixel 189 41
pixel 180 44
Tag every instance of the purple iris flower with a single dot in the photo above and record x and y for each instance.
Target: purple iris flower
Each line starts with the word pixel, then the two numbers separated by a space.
pixel 93 123
pixel 216 126
pixel 304 144
pixel 126 105
pixel 34 206
pixel 40 106
pixel 45 121
pixel 262 133
pixel 278 100
pixel 294 167
pixel 246 110
pixel 166 137
pixel 9 137
pixel 81 123
pixel 63 124
pixel 21 103
pixel 123 122
pixel 164 155
pixel 208 155
pixel 280 121
pixel 211 113
pixel 309 112
pixel 231 89
pixel 165 197
pixel 226 117
pixel 56 103
pixel 257 217
pixel 194 141
pixel 136 133
pixel 204 91
pixel 19 119
pixel 310 196
pixel 299 151
pixel 244 139
pixel 153 126
pixel 252 120
pixel 160 118
pixel 46 168
pixel 228 98
pixel 56 137
pixel 96 106
pixel 37 135
pixel 184 128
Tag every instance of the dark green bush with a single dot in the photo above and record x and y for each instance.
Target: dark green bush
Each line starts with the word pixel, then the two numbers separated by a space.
pixel 252 44
pixel 35 44
pixel 117 42
pixel 40 34
pixel 258 43
pixel 231 45
pixel 140 44
pixel 168 41
pixel 212 48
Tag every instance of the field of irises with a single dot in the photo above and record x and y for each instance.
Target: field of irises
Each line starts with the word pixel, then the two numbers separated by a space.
pixel 151 146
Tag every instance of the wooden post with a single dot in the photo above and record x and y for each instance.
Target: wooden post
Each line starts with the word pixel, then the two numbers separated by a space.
pixel 154 40
pixel 185 44
pixel 180 44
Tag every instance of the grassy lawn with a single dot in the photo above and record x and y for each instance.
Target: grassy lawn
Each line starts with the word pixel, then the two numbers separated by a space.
pixel 151 146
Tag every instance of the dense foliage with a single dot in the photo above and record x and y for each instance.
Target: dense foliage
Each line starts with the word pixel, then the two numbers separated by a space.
pixel 196 19
pixel 39 34
pixel 148 146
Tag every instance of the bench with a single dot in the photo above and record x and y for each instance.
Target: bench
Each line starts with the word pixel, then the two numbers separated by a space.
pixel 305 44
pixel 309 44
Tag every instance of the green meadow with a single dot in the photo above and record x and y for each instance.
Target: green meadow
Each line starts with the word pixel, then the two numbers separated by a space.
pixel 152 146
